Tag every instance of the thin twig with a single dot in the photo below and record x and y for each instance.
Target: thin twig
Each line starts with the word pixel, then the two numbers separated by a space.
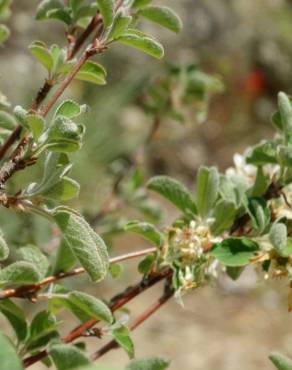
pixel 116 302
pixel 29 291
pixel 137 322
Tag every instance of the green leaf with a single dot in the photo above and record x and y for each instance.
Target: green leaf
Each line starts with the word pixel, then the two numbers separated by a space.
pixel 87 246
pixel 162 15
pixel 285 108
pixel 142 42
pixel 175 192
pixel 234 251
pixel 34 256
pixel 122 337
pixel 70 109
pixel 62 15
pixel 45 6
pixel 4 33
pixel 278 236
pixel 64 190
pixel 20 114
pixel 65 259
pixel 120 25
pixel 16 318
pixel 259 213
pixel 154 363
pixel 8 355
pixel 106 8
pixel 40 51
pixel 261 183
pixel 19 273
pixel 90 72
pixel 207 189
pixel 4 250
pixel 42 330
pixel 147 263
pixel 43 323
pixel 91 306
pixel 64 135
pixel 67 357
pixel 41 341
pixel 148 231
pixel 36 124
pixel 54 170
pixel 140 3
pixel 263 153
pixel 224 214
pixel 281 362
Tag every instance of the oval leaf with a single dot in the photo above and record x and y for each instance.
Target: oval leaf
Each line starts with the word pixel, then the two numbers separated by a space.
pixel 148 231
pixel 234 251
pixel 21 272
pixel 175 192
pixel 162 15
pixel 87 246
pixel 67 357
pixel 91 306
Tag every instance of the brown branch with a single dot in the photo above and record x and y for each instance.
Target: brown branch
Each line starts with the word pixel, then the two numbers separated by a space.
pixel 116 302
pixel 137 322
pixel 29 291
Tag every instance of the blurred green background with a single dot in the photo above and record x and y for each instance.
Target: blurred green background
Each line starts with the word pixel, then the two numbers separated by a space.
pixel 249 44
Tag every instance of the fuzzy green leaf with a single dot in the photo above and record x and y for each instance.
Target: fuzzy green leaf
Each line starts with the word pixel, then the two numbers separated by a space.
pixel 122 337
pixel 281 362
pixel 34 256
pixel 142 42
pixel 36 124
pixel 146 230
pixel 91 306
pixel 278 236
pixel 285 108
pixel 67 357
pixel 65 259
pixel 162 15
pixel 87 246
pixel 21 272
pixel 207 189
pixel 64 190
pixel 175 192
pixel 70 109
pixel 155 363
